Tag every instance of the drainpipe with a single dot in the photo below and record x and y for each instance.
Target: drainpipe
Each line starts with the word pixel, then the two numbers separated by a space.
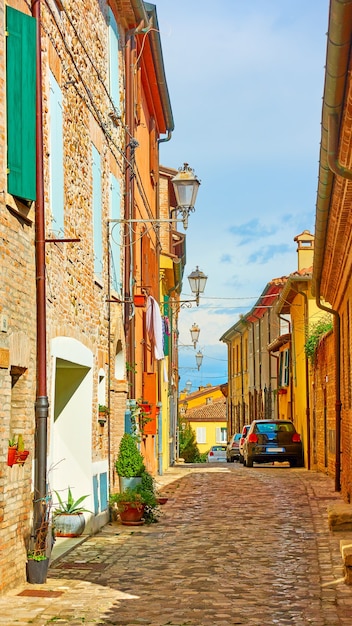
pixel 129 210
pixel 167 138
pixel 160 440
pixel 41 403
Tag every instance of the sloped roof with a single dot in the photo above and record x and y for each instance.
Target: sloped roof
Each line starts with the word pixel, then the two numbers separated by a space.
pixel 213 412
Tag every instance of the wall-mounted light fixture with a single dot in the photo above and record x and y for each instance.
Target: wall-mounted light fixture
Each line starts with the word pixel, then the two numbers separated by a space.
pixel 195 330
pixel 197 281
pixel 186 185
pixel 188 386
pixel 199 359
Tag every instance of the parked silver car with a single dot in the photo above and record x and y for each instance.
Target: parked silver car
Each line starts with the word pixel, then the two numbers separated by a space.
pixel 217 454
pixel 232 450
pixel 244 433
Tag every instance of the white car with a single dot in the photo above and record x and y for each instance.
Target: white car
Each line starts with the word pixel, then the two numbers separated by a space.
pixel 217 454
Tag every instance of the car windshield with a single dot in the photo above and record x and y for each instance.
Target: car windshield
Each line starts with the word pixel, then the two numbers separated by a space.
pixel 273 427
pixel 237 437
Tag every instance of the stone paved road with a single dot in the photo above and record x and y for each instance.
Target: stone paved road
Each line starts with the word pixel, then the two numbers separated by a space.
pixel 234 546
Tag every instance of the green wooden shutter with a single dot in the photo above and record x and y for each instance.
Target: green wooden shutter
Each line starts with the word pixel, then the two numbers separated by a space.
pixel 21 113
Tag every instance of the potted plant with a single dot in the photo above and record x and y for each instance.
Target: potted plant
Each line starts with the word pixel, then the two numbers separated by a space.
pixel 37 553
pixel 129 505
pixel 11 452
pixel 16 454
pixel 137 504
pixel 103 414
pixel 147 490
pixel 69 520
pixel 145 417
pixel 129 464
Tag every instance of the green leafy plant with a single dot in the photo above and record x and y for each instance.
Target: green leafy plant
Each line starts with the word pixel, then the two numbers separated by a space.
pixel 315 333
pixel 13 442
pixel 70 506
pixel 136 497
pixel 129 462
pixel 147 489
pixel 103 408
pixel 188 448
pixel 130 496
pixel 36 557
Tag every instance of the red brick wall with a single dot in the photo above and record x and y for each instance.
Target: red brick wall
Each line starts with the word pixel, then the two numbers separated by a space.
pixel 322 413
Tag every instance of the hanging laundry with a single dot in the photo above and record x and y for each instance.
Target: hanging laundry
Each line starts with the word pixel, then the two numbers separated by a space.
pixel 155 327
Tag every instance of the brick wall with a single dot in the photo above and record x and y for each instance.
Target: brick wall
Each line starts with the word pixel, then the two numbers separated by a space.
pixel 322 415
pixel 76 302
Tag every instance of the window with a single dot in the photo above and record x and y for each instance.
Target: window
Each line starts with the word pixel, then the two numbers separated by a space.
pixel 284 368
pixel 56 158
pixel 21 113
pixel 114 59
pixel 97 214
pixel 201 434
pixel 221 435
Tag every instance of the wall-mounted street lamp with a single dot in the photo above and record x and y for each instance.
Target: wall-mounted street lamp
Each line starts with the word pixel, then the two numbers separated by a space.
pixel 195 330
pixel 186 185
pixel 188 386
pixel 197 281
pixel 199 359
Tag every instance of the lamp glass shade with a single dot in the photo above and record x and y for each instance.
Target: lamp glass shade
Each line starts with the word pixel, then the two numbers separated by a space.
pixel 197 281
pixel 186 186
pixel 188 385
pixel 195 330
pixel 199 359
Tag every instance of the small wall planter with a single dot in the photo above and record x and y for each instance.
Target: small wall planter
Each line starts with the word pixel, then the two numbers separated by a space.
pixel 139 300
pixel 281 392
pixel 14 457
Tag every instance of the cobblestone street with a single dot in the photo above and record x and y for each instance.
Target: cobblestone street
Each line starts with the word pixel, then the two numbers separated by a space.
pixel 233 546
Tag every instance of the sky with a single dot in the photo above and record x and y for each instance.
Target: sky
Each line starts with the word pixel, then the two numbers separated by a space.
pixel 246 83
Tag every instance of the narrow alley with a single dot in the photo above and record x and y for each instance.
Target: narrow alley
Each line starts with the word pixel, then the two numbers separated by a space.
pixel 233 546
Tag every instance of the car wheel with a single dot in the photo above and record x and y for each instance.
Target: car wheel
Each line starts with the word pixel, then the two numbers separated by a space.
pixel 232 459
pixel 240 458
pixel 249 462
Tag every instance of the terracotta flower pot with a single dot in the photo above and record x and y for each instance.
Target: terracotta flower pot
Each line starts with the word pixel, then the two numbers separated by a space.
pixel 11 456
pixel 21 457
pixel 131 514
pixel 139 299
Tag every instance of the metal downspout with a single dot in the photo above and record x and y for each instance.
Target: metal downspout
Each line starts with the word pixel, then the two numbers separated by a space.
pixel 129 211
pixel 42 402
pixel 167 138
pixel 160 440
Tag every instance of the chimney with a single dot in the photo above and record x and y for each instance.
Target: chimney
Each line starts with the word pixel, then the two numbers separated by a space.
pixel 305 249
